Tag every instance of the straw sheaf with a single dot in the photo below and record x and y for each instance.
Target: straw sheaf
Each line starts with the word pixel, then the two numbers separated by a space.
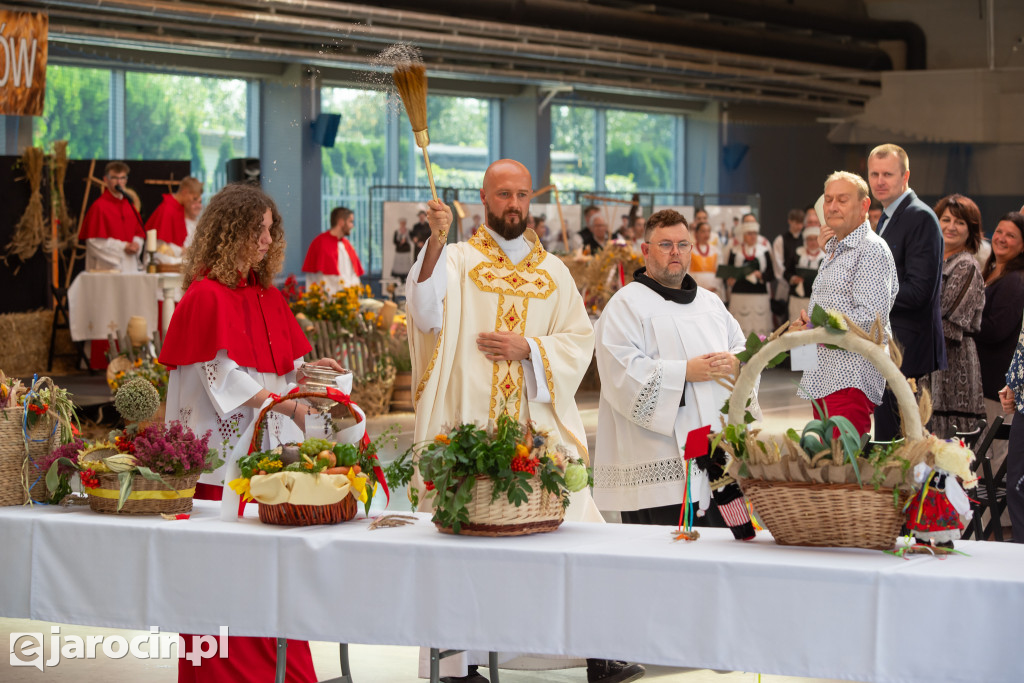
pixel 411 82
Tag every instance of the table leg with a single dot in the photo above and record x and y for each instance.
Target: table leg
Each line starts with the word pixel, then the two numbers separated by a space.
pixel 435 665
pixel 346 672
pixel 168 309
pixel 492 664
pixel 282 660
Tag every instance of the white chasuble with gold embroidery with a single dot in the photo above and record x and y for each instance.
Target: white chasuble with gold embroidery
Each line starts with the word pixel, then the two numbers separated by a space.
pixel 453 382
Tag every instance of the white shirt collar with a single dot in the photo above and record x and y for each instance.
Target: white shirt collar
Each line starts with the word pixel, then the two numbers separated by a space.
pixel 891 209
pixel 516 249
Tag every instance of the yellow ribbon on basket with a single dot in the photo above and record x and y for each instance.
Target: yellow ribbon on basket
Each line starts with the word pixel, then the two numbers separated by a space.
pixel 143 495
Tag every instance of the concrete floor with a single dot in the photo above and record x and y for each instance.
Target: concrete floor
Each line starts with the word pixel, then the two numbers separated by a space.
pixel 383 664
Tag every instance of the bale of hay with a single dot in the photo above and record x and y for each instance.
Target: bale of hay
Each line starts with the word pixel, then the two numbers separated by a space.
pixel 26 342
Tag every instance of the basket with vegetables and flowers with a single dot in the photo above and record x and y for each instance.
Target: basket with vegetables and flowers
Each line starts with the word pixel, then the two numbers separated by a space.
pixel 317 481
pixel 505 481
pixel 826 486
pixel 140 470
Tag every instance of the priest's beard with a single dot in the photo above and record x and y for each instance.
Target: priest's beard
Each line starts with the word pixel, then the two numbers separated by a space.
pixel 507 229
pixel 663 276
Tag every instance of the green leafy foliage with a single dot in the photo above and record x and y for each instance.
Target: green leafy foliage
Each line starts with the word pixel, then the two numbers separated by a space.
pixel 451 463
pixel 817 437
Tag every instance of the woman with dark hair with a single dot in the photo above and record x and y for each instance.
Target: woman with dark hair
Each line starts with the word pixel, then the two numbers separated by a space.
pixel 233 341
pixel 957 402
pixel 1004 310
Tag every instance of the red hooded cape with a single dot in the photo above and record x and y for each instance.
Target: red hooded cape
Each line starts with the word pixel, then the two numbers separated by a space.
pixel 111 217
pixel 322 256
pixel 251 322
pixel 169 221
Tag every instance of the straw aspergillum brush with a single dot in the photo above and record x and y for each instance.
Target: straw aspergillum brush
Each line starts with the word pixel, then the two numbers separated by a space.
pixel 411 82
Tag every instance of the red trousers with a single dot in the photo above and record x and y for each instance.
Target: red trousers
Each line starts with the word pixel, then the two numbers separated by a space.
pixel 852 404
pixel 249 660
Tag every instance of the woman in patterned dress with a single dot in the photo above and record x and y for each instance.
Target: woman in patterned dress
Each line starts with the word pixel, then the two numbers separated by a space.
pixel 957 402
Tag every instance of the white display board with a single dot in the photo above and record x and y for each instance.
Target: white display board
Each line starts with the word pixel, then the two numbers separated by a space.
pixel 394 214
pixel 571 213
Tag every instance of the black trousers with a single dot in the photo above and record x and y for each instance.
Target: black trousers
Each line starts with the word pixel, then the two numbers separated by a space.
pixel 668 515
pixel 887 416
pixel 1015 477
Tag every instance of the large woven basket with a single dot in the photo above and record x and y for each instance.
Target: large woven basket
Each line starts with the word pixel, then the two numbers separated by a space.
pixel 18 472
pixel 543 511
pixel 308 515
pixel 827 514
pixel 147 497
pixel 288 514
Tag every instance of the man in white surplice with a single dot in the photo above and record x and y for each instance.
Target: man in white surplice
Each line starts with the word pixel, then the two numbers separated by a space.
pixel 661 341
pixel 499 325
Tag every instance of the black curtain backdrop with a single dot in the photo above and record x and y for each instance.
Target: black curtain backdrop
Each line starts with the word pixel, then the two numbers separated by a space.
pixel 26 286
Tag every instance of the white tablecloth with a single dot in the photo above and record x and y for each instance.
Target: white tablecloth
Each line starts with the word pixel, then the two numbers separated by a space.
pixel 610 590
pixel 102 303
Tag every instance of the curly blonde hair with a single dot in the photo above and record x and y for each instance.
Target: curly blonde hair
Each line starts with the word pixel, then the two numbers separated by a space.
pixel 227 235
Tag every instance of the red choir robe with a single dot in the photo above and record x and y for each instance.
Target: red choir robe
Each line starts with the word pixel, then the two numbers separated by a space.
pixel 111 217
pixel 257 329
pixel 169 221
pixel 322 256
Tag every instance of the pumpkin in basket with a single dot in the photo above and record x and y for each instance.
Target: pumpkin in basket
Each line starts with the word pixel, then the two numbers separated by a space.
pixel 505 481
pixel 315 482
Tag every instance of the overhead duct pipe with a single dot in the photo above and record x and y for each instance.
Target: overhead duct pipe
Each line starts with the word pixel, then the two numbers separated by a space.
pixel 591 18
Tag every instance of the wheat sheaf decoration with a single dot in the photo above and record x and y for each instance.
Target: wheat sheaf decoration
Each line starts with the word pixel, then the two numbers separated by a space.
pixel 410 79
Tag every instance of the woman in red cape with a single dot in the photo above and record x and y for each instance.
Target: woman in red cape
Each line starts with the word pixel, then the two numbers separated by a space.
pixel 233 341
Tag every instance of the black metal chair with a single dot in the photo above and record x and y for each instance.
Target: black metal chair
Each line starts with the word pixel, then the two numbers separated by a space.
pixel 990 495
pixel 971 438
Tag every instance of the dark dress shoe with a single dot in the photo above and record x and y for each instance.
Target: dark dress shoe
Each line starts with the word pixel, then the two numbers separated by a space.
pixel 612 671
pixel 472 677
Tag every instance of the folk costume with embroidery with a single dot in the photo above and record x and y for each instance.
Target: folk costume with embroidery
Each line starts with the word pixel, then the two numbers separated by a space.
pixel 644 337
pixel 332 262
pixel 109 226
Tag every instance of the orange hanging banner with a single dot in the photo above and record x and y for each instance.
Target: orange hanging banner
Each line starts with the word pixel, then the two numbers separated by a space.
pixel 23 45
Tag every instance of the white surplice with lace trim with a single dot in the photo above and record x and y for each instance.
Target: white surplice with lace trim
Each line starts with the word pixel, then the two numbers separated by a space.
pixel 643 343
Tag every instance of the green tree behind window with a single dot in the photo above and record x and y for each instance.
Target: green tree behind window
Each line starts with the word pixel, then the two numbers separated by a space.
pixel 76 110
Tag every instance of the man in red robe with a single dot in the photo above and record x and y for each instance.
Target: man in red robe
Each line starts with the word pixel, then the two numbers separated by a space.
pixel 112 229
pixel 332 261
pixel 170 220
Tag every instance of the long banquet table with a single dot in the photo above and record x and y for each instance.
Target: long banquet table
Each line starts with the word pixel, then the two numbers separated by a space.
pixel 604 590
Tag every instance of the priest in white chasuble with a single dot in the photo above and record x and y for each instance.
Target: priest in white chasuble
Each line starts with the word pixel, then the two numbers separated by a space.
pixel 497 324
pixel 661 342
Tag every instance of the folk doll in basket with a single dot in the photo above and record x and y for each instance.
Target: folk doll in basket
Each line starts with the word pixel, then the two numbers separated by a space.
pixel 498 319
pixel 233 341
pixel 661 342
pixel 938 511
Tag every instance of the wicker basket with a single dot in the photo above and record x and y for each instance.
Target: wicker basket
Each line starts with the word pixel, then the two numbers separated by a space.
pixel 543 511
pixel 147 497
pixel 302 515
pixel 308 515
pixel 827 514
pixel 17 469
pixel 374 396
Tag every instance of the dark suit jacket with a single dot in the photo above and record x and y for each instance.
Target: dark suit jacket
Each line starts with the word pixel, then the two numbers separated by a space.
pixel 915 239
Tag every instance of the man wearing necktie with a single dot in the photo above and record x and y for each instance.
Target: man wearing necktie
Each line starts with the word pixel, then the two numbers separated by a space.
pixel 912 232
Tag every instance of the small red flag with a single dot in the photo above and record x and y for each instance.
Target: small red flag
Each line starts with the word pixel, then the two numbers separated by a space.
pixel 697 443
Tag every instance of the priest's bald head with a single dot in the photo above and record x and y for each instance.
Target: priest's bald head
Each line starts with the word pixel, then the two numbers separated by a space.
pixel 506 194
pixel 667 247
